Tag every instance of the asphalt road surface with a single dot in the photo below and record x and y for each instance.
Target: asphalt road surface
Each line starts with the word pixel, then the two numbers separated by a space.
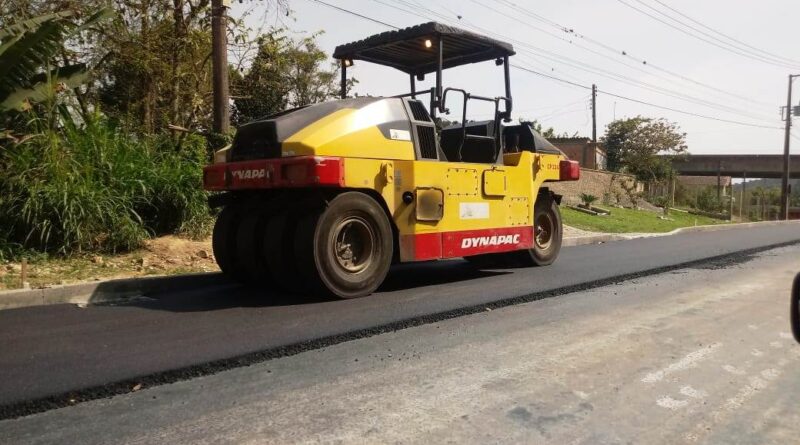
pixel 50 351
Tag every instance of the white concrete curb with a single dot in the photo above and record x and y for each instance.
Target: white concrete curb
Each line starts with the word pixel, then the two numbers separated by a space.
pixel 608 237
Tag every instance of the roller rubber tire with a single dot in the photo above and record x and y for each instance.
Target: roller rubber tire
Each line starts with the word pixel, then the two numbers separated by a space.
pixel 223 240
pixel 278 250
pixel 539 255
pixel 250 252
pixel 345 249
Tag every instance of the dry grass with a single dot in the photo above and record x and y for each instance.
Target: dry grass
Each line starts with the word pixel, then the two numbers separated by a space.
pixel 168 255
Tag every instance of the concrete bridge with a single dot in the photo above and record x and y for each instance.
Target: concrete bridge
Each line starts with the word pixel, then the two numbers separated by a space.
pixel 737 166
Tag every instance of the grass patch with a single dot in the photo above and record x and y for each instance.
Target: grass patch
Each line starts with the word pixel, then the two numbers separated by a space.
pixel 633 221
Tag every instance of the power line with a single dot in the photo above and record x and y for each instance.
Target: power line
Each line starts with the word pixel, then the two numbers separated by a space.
pixel 688 112
pixel 549 109
pixel 529 70
pixel 356 14
pixel 756 54
pixel 589 68
pixel 710 42
pixel 619 96
pixel 627 54
pixel 723 34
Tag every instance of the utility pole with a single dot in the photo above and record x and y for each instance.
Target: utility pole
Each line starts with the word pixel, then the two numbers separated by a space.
pixel 594 114
pixel 219 56
pixel 786 142
pixel 744 193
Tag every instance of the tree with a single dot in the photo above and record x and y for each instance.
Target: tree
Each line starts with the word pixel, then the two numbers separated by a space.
pixel 634 145
pixel 156 64
pixel 28 65
pixel 547 133
pixel 284 74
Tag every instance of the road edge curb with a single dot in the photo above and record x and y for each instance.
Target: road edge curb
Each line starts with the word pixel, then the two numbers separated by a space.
pixel 608 237
pixel 117 290
pixel 107 291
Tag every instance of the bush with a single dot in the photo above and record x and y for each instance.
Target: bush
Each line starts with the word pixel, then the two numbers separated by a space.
pixel 659 201
pixel 706 200
pixel 97 188
pixel 587 200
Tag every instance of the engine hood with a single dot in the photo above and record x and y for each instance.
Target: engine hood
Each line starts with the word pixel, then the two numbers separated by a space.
pixel 323 129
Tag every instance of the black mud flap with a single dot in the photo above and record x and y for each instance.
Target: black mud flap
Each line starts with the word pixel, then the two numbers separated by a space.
pixel 217 200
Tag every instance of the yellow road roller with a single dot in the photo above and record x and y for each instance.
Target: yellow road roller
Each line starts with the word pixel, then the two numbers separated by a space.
pixel 325 198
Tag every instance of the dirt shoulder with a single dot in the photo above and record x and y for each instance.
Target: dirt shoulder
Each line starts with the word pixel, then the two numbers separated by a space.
pixel 168 255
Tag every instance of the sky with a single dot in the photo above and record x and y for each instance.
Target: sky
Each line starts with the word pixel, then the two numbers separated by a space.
pixel 743 80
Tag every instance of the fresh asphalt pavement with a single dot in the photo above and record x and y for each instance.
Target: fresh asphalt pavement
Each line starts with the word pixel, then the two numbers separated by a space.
pixel 700 354
pixel 55 350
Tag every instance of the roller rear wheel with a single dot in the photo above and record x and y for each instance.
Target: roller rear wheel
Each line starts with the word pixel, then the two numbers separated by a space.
pixel 223 241
pixel 250 254
pixel 345 248
pixel 278 250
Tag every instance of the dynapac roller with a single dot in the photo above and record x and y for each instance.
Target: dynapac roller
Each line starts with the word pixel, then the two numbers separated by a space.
pixel 327 197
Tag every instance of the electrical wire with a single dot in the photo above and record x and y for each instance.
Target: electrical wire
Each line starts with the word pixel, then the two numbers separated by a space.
pixel 355 14
pixel 627 54
pixel 591 69
pixel 756 54
pixel 550 109
pixel 575 84
pixel 723 34
pixel 619 96
pixel 710 42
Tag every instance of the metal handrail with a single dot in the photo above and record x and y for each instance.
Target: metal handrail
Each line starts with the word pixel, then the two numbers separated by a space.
pixel 467 97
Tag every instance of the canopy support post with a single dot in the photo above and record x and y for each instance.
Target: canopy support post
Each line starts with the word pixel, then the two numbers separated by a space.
pixel 439 75
pixel 344 79
pixel 507 75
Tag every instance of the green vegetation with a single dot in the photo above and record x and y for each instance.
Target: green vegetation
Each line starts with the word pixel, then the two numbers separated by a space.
pixel 588 199
pixel 98 188
pixel 634 146
pixel 105 117
pixel 27 48
pixel 633 221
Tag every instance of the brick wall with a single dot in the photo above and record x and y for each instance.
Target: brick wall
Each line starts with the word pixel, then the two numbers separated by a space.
pixel 583 150
pixel 594 182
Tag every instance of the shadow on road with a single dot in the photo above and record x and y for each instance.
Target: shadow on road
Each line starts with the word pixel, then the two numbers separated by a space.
pixel 217 293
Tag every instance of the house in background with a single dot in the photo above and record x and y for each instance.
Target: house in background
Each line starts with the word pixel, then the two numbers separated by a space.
pixel 582 149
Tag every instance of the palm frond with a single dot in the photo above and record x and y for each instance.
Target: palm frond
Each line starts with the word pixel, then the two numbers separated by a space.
pixel 28 47
pixel 32 24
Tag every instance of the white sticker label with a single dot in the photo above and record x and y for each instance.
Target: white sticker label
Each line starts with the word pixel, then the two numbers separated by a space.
pixel 474 210
pixel 399 135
